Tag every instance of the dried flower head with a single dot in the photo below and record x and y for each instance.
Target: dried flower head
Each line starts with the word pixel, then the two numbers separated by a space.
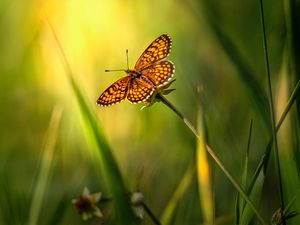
pixel 136 200
pixel 86 204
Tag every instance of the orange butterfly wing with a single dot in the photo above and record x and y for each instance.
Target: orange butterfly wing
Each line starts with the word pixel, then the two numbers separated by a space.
pixel 160 73
pixel 156 51
pixel 151 70
pixel 115 93
pixel 140 89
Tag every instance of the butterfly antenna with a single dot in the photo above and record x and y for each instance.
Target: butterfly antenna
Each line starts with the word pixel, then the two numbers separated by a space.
pixel 127 58
pixel 120 69
pixel 113 70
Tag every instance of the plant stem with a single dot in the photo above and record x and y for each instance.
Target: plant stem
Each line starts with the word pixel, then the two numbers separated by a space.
pixel 212 154
pixel 178 113
pixel 277 163
pixel 151 215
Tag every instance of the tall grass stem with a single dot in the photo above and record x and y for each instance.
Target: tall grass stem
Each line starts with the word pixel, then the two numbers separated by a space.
pixel 213 155
pixel 271 104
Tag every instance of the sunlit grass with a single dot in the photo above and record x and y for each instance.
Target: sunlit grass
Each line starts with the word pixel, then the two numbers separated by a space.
pixel 204 174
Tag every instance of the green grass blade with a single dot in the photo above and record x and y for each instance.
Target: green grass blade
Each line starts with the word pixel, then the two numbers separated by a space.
pixel 109 165
pixel 245 72
pixel 245 174
pixel 260 172
pixel 293 37
pixel 236 185
pixel 112 174
pixel 169 211
pixel 273 122
pixel 290 155
pixel 204 175
pixel 45 168
pixel 237 210
pixel 240 203
pixel 287 153
pixel 292 201
pixel 256 181
pixel 215 157
pixel 263 164
pixel 255 196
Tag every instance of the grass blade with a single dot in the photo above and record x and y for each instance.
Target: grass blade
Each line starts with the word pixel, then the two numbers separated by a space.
pixel 293 37
pixel 245 72
pixel 46 163
pixel 263 164
pixel 274 133
pixel 287 154
pixel 112 174
pixel 237 186
pixel 257 181
pixel 214 156
pixel 168 213
pixel 240 203
pixel 255 196
pixel 204 175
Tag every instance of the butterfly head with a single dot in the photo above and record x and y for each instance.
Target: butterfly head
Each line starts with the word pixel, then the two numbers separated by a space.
pixel 133 73
pixel 128 71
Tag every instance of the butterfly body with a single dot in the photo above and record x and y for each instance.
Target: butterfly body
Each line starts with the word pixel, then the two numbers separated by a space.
pixel 152 71
pixel 133 73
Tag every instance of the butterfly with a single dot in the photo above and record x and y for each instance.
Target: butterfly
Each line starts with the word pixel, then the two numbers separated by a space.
pixel 151 72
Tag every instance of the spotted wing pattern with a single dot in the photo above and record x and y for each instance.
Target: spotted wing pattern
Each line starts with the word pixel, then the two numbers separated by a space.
pixel 140 89
pixel 151 71
pixel 157 50
pixel 160 72
pixel 116 92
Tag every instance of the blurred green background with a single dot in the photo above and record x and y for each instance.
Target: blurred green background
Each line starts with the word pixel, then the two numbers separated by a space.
pixel 217 46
